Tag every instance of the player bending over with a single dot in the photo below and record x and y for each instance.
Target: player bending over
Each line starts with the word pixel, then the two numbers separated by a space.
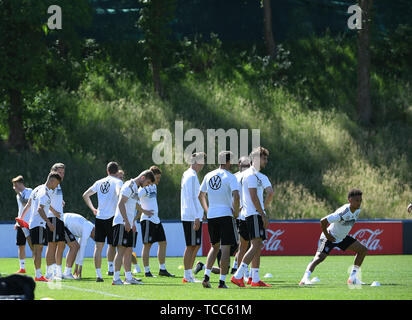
pixel 336 235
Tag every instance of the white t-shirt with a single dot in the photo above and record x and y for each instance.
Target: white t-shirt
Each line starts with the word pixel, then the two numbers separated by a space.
pixel 129 190
pixel 341 222
pixel 56 202
pixel 107 196
pixel 81 228
pixel 148 201
pixel 22 199
pixel 239 178
pixel 190 208
pixel 253 179
pixel 219 185
pixel 41 195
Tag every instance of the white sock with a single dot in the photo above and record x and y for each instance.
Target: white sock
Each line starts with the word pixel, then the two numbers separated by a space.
pixel 128 275
pixel 207 272
pixel 22 263
pixel 222 277
pixel 306 275
pixel 354 271
pixel 110 265
pixel 116 275
pixel 234 264
pixel 38 273
pixel 162 266
pixel 187 274
pixel 67 270
pixel 255 275
pixel 99 273
pixel 58 270
pixel 241 270
pixel 146 269
pixel 191 274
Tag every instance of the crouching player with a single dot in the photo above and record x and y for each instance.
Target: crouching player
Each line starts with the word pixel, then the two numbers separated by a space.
pixel 76 226
pixel 336 235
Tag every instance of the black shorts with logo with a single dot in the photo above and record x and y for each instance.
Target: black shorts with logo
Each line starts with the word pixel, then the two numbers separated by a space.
pixel 325 246
pixel 223 230
pixel 68 236
pixel 243 230
pixel 58 233
pixel 152 232
pixel 255 227
pixel 192 237
pixel 38 235
pixel 103 230
pixel 123 238
pixel 21 236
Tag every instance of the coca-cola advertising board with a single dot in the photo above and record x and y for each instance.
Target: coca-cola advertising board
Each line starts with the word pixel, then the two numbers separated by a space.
pixel 301 238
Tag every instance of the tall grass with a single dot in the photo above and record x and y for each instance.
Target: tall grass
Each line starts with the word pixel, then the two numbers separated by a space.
pixel 317 149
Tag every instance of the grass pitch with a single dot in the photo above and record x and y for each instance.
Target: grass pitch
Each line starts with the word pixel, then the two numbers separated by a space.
pixel 393 272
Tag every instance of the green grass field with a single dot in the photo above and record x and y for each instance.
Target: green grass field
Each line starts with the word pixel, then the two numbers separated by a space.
pixel 393 272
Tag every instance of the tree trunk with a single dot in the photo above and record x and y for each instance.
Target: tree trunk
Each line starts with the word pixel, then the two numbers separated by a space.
pixel 267 21
pixel 17 138
pixel 364 106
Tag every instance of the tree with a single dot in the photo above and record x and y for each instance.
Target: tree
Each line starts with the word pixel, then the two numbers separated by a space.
pixel 154 21
pixel 268 33
pixel 364 105
pixel 26 55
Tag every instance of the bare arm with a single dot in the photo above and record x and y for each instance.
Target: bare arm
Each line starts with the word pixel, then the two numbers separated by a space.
pixel 269 196
pixel 256 202
pixel 86 198
pixel 236 203
pixel 44 217
pixel 25 209
pixel 202 200
pixel 55 212
pixel 122 209
pixel 324 225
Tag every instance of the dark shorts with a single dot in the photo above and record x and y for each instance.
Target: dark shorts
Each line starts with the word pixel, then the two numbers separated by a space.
pixel 243 230
pixel 58 233
pixel 38 235
pixel 192 237
pixel 325 246
pixel 152 232
pixel 223 230
pixel 103 230
pixel 255 227
pixel 123 238
pixel 21 236
pixel 68 236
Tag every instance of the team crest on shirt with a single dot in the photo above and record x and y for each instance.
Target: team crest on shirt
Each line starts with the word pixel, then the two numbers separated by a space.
pixel 215 182
pixel 105 187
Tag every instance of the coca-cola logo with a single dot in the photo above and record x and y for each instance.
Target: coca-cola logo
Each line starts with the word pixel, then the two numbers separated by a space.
pixel 272 243
pixel 368 238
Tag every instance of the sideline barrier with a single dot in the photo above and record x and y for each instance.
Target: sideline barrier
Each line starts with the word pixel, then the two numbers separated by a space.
pixel 301 237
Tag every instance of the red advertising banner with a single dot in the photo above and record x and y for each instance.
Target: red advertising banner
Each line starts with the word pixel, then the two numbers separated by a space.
pixel 301 238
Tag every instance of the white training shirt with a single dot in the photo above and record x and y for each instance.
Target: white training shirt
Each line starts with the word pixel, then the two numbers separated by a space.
pixel 253 179
pixel 56 202
pixel 22 198
pixel 107 190
pixel 190 208
pixel 81 228
pixel 239 178
pixel 41 195
pixel 148 201
pixel 341 222
pixel 129 190
pixel 219 185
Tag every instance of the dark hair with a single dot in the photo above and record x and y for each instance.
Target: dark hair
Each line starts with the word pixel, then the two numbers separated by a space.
pixel 155 170
pixel 354 193
pixel 148 175
pixel 54 175
pixel 224 157
pixel 18 179
pixel 112 167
